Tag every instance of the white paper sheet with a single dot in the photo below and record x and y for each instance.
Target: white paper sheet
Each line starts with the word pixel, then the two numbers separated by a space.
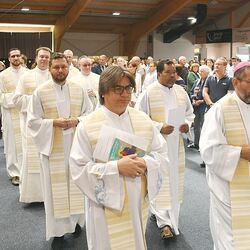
pixel 176 117
pixel 106 140
pixel 63 109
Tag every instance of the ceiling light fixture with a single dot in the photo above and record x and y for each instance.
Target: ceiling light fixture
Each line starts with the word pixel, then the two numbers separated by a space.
pixel 116 13
pixel 192 19
pixel 25 9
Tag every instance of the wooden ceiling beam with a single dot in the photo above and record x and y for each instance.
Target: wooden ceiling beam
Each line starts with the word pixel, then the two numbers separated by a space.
pixel 201 1
pixel 46 1
pixel 140 29
pixel 33 7
pixel 244 20
pixel 31 19
pixel 121 5
pixel 110 11
pixel 65 22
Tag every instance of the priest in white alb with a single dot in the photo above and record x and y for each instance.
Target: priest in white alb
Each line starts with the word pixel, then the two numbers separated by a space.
pixel 54 111
pixel 117 189
pixel 169 107
pixel 30 184
pixel 87 79
pixel 10 115
pixel 225 148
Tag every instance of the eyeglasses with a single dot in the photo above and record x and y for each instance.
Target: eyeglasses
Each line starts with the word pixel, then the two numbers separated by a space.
pixel 87 65
pixel 120 89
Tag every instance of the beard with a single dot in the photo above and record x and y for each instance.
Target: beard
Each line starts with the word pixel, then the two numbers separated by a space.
pixel 59 78
pixel 16 63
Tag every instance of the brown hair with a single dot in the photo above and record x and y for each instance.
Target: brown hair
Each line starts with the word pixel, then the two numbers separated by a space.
pixel 110 77
pixel 43 48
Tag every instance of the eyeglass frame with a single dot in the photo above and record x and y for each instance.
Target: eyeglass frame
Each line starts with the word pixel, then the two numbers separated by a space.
pixel 129 89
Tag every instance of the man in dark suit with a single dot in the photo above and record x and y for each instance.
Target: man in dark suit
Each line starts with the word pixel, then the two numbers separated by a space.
pixel 101 66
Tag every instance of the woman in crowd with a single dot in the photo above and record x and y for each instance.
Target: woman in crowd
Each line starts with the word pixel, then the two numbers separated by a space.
pixel 193 76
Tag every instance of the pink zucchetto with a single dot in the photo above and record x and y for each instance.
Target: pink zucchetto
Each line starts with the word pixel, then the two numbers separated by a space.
pixel 240 66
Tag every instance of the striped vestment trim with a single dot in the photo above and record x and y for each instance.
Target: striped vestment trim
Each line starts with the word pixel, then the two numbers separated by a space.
pixel 67 197
pixel 157 113
pixel 120 227
pixel 240 185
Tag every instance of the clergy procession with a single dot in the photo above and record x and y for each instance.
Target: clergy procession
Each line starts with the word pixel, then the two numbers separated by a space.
pixel 103 143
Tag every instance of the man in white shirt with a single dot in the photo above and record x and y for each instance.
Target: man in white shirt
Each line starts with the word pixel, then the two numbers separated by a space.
pixel 30 184
pixel 87 79
pixel 54 111
pixel 225 148
pixel 10 115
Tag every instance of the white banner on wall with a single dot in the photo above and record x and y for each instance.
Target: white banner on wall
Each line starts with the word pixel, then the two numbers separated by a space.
pixel 241 35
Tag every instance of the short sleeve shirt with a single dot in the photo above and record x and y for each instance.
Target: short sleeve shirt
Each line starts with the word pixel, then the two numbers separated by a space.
pixel 218 88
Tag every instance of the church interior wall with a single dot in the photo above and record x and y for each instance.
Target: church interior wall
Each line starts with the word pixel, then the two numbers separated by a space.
pixel 183 46
pixel 95 44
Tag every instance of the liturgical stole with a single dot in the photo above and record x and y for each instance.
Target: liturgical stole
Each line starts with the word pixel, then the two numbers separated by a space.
pixel 157 113
pixel 120 227
pixel 33 161
pixel 10 87
pixel 67 197
pixel 240 184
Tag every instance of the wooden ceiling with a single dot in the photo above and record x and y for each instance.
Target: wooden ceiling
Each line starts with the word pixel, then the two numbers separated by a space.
pixel 137 17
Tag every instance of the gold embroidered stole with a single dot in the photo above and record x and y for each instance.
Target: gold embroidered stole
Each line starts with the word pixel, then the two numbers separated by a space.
pixel 67 198
pixel 32 161
pixel 240 185
pixel 10 83
pixel 157 113
pixel 120 226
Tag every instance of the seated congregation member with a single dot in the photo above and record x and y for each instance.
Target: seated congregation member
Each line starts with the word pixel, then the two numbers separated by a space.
pixel 225 148
pixel 157 101
pixel 53 114
pixel 116 210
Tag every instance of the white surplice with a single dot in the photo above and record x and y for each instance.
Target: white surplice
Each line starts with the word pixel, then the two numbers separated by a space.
pixel 73 71
pixel 89 82
pixel 13 161
pixel 42 132
pixel 30 183
pixel 88 175
pixel 169 217
pixel 221 161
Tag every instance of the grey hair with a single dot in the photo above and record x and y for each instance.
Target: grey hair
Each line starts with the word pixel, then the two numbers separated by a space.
pixel 205 68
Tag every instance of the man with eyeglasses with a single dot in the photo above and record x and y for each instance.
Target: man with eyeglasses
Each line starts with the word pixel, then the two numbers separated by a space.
pixel 225 148
pixel 30 184
pixel 87 79
pixel 116 189
pixel 53 114
pixel 10 115
pixel 157 101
